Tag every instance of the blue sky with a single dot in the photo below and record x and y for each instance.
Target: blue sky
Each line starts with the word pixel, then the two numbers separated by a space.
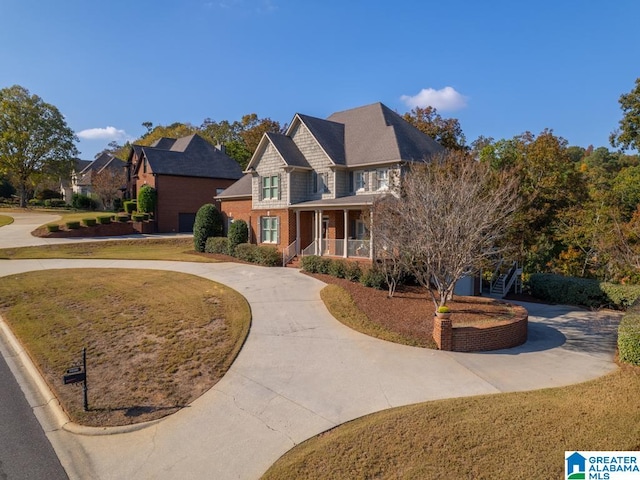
pixel 500 67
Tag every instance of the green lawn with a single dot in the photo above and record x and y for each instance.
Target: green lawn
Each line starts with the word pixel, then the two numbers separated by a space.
pixel 5 220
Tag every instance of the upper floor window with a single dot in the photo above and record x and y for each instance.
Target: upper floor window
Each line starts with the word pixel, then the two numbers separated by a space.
pixel 359 181
pixel 382 179
pixel 270 187
pixel 320 182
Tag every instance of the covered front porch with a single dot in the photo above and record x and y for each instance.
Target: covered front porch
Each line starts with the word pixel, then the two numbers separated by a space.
pixel 334 228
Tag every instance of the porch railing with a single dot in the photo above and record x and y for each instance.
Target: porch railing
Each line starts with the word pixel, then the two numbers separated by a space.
pixel 289 252
pixel 335 248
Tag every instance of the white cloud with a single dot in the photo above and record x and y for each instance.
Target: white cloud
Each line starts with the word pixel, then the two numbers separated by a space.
pixel 107 133
pixel 444 99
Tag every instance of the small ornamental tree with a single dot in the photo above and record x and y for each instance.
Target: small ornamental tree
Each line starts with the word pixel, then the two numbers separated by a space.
pixel 147 199
pixel 238 233
pixel 208 224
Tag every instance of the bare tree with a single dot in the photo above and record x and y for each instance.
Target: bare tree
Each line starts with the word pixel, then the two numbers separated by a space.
pixel 450 215
pixel 107 184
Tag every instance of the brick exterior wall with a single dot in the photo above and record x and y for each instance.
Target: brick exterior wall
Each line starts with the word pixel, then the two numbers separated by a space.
pixel 178 195
pixel 481 339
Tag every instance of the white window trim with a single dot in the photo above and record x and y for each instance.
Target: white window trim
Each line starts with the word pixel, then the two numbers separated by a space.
pixel 363 176
pixel 382 174
pixel 275 229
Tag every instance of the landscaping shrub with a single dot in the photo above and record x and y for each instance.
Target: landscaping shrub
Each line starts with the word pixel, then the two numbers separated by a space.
pixel 310 263
pixel 137 217
pixel 353 271
pixel 238 233
pixel 247 252
pixel 118 205
pixel 48 194
pixel 83 202
pixel 217 245
pixel 53 228
pixel 89 222
pixel 130 206
pixel 582 291
pixel 267 256
pixel 104 219
pixel 146 217
pixel 208 223
pixel 629 336
pixel 122 218
pixel 73 225
pixel 147 199
pixel 323 265
pixel 34 202
pixel 56 202
pixel 337 268
pixel 373 278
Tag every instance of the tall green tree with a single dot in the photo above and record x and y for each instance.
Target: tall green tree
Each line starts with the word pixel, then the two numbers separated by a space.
pixel 446 131
pixel 34 139
pixel 628 133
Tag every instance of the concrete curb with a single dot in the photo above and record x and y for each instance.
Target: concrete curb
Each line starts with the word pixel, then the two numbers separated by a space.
pixel 59 416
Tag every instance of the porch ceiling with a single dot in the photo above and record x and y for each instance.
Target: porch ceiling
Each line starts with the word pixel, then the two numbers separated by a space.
pixel 352 201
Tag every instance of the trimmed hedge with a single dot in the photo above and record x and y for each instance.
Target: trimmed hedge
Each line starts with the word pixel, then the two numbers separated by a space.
pixel 238 233
pixel 137 217
pixel 53 228
pixel 122 218
pixel 218 245
pixel 582 291
pixel 130 206
pixel 373 278
pixel 104 219
pixel 147 199
pixel 268 256
pixel 247 252
pixel 629 337
pixel 208 223
pixel 89 222
pixel 337 267
pixel 73 225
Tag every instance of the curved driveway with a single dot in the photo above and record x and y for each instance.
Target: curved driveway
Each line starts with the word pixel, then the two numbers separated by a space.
pixel 301 372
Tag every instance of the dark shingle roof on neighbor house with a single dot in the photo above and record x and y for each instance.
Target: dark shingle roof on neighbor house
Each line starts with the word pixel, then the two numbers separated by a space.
pixel 103 162
pixel 190 156
pixel 240 189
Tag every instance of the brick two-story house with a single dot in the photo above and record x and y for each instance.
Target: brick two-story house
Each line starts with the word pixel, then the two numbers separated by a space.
pixel 186 172
pixel 309 190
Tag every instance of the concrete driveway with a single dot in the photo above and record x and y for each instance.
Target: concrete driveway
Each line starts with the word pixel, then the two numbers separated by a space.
pixel 301 372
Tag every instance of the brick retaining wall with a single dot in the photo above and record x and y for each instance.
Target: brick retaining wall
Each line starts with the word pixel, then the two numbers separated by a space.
pixel 482 338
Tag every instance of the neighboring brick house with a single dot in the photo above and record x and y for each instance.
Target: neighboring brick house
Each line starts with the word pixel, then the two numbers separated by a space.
pixel 309 190
pixel 186 172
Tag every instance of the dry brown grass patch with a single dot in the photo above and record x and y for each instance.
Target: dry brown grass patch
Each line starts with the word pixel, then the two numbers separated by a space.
pixel 155 340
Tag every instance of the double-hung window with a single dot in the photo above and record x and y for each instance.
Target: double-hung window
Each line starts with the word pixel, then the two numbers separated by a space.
pixel 320 182
pixel 359 181
pixel 269 230
pixel 270 187
pixel 382 178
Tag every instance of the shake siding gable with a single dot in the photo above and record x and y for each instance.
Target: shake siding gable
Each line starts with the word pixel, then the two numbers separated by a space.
pixel 298 187
pixel 270 164
pixel 317 159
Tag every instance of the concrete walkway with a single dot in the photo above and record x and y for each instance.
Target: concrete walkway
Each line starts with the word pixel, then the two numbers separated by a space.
pixel 301 372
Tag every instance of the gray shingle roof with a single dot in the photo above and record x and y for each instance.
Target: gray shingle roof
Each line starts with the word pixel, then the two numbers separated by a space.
pixel 191 156
pixel 376 134
pixel 104 161
pixel 329 134
pixel 240 189
pixel 288 150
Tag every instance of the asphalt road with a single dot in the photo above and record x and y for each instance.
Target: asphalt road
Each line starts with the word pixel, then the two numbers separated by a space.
pixel 25 451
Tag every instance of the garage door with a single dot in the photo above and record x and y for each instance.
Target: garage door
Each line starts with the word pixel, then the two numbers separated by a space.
pixel 185 222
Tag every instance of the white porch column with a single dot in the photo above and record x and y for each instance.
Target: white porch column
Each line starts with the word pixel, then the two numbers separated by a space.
pixel 320 236
pixel 297 232
pixel 346 232
pixel 371 235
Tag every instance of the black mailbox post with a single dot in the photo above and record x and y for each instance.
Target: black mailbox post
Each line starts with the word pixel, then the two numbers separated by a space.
pixel 79 375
